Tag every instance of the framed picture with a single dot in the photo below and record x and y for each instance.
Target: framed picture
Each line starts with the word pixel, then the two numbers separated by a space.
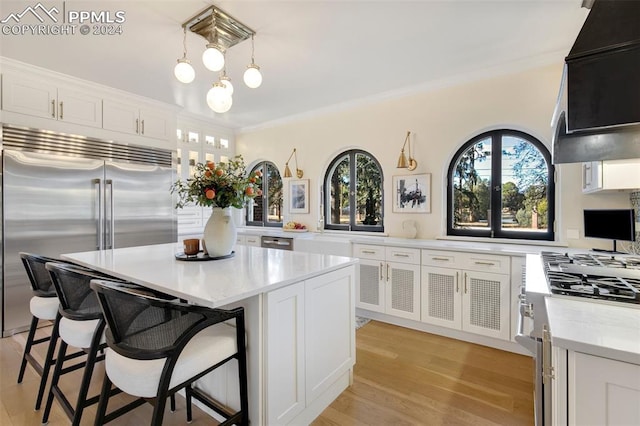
pixel 412 193
pixel 299 196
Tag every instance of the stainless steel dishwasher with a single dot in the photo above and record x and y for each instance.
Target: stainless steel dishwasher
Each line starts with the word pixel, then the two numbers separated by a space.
pixel 280 243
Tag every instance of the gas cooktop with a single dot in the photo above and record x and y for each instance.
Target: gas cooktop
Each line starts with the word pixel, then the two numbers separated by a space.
pixel 593 276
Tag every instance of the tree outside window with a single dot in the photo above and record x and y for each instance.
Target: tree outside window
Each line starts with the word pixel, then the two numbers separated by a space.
pixel 500 184
pixel 267 209
pixel 353 193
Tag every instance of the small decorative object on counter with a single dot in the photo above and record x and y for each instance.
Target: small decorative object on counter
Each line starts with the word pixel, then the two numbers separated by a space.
pixel 191 246
pixel 221 186
pixel 409 228
pixel 292 226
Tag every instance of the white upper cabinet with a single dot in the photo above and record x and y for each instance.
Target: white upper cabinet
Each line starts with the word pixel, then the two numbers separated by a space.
pixel 611 175
pixel 39 97
pixel 130 118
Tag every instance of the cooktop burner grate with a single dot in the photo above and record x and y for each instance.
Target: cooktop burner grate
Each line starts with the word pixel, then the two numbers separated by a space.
pixel 593 276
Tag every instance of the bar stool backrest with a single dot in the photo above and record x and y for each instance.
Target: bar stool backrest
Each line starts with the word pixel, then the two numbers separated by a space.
pixel 142 325
pixel 77 300
pixel 39 277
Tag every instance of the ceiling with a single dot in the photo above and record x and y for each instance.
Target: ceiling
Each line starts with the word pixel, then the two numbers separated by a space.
pixel 314 55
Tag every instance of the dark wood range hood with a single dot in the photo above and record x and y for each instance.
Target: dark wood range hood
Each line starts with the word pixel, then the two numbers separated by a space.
pixel 598 116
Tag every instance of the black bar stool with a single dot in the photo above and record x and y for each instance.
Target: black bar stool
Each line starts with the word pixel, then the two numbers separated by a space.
pixel 81 325
pixel 44 307
pixel 159 346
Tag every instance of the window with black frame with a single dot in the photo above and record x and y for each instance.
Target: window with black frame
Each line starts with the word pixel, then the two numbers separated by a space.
pixel 266 209
pixel 501 185
pixel 353 193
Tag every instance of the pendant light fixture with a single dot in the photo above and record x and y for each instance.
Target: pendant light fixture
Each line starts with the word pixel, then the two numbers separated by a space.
pixel 218 98
pixel 183 71
pixel 224 79
pixel 252 76
pixel 222 32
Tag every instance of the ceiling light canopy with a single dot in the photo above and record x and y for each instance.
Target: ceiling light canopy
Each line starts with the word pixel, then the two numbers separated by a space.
pixel 221 31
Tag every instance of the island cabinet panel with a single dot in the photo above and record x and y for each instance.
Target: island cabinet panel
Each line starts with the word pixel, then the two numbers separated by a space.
pixel 285 396
pixel 602 391
pixel 329 305
pixel 310 345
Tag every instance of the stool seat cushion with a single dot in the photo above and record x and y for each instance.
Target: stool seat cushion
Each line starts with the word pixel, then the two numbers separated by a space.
pixel 44 308
pixel 141 377
pixel 78 333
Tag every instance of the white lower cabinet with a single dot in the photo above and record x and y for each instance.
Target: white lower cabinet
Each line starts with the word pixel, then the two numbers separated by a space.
pixel 463 295
pixel 301 370
pixel 602 391
pixel 389 280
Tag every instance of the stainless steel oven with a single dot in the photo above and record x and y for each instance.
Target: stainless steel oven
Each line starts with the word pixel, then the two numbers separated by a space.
pixel 533 335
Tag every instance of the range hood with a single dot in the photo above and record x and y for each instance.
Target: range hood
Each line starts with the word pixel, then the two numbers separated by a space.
pixel 598 112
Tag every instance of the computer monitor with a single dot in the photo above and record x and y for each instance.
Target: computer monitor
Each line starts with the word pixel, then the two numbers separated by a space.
pixel 614 224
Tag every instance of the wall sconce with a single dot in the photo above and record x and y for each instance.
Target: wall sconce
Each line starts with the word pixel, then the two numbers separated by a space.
pixel 411 164
pixel 287 170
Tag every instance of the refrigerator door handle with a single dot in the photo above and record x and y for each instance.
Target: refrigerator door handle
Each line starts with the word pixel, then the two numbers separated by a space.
pixel 112 232
pixel 100 223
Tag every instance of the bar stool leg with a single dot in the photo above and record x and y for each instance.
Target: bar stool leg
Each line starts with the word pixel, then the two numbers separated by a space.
pixel 92 354
pixel 187 394
pixel 54 381
pixel 48 361
pixel 27 347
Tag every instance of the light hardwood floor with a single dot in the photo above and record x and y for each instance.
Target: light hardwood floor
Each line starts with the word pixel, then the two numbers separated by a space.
pixel 402 377
pixel 406 377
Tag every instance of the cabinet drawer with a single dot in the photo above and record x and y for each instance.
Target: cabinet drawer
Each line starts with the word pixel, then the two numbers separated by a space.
pixel 403 255
pixel 442 259
pixel 487 263
pixel 365 251
pixel 252 240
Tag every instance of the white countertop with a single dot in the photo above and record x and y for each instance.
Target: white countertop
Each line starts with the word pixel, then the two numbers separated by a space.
pixel 251 271
pixel 507 249
pixel 601 329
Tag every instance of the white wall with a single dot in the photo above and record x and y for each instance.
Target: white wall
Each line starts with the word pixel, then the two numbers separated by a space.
pixel 440 121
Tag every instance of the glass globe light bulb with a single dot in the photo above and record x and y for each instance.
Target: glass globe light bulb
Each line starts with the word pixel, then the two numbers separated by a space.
pixel 226 81
pixel 252 76
pixel 183 71
pixel 213 58
pixel 218 98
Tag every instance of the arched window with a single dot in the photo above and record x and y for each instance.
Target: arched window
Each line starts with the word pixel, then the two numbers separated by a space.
pixel 501 185
pixel 353 193
pixel 266 210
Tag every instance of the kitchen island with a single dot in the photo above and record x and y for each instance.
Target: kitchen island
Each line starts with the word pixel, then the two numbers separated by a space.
pixel 299 312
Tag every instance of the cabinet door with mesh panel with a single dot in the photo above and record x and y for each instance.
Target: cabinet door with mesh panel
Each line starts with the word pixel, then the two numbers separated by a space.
pixel 485 304
pixel 370 290
pixel 402 290
pixel 441 301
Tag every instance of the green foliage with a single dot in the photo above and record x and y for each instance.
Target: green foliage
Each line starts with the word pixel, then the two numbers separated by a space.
pixel 512 198
pixel 222 185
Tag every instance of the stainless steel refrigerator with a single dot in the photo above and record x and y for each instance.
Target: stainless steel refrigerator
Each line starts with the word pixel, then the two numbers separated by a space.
pixel 64 193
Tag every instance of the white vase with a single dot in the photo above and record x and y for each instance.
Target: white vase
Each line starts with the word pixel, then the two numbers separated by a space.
pixel 220 232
